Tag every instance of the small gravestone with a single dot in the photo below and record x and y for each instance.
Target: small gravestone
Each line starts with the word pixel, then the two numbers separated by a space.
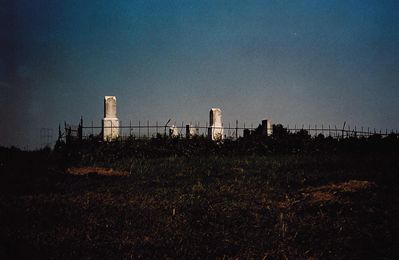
pixel 191 131
pixel 215 130
pixel 174 132
pixel 247 133
pixel 110 123
pixel 267 128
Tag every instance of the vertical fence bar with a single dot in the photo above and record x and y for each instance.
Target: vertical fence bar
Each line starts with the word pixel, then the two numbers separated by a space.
pixel 121 130
pixel 139 128
pixel 336 131
pixel 199 127
pixel 148 128
pixel 236 129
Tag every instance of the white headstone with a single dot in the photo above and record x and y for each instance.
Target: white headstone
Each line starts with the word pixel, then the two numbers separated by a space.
pixel 215 130
pixel 193 131
pixel 174 131
pixel 267 128
pixel 110 123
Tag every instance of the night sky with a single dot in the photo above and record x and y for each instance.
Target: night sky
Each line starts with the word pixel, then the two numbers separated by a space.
pixel 296 62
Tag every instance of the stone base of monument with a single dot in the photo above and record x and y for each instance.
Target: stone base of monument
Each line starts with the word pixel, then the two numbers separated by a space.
pixel 215 133
pixel 110 128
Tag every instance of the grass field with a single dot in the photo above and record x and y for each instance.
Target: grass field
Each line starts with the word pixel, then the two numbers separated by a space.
pixel 318 206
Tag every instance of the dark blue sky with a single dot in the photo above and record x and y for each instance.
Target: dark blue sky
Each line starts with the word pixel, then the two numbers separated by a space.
pixel 297 62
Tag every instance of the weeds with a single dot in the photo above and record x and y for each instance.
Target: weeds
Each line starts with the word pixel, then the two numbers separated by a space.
pixel 293 206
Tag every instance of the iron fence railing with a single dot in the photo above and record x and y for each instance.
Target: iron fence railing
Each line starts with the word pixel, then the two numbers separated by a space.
pixel 236 131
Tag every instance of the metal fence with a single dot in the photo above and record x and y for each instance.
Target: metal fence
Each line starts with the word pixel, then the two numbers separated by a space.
pixel 230 131
pixel 341 133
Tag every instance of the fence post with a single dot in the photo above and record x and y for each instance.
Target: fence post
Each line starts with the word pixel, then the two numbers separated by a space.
pixel 121 130
pixel 148 128
pixel 236 129
pixel 206 129
pixel 139 128
pixel 337 132
pixel 199 127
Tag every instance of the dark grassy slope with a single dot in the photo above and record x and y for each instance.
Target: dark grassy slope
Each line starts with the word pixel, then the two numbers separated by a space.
pixel 298 206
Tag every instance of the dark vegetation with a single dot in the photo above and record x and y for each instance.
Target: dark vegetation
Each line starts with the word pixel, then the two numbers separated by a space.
pixel 286 196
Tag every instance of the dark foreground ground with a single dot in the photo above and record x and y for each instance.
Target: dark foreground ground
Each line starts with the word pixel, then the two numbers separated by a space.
pixel 288 206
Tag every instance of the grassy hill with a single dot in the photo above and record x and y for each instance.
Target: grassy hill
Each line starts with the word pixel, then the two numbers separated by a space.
pixel 78 203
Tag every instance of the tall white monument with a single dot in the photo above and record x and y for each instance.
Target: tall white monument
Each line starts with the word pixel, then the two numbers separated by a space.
pixel 215 130
pixel 110 123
